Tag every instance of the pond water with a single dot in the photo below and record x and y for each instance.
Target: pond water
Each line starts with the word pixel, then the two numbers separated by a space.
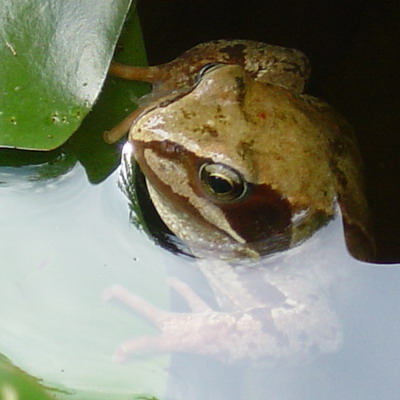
pixel 65 242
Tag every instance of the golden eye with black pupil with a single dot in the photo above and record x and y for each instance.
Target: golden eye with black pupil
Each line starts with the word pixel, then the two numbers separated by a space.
pixel 222 182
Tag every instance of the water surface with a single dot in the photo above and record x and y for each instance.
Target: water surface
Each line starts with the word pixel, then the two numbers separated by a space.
pixel 64 242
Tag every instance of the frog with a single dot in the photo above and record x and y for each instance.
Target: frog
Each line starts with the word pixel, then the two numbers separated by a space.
pixel 242 165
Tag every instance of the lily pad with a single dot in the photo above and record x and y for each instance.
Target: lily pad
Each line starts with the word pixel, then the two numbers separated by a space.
pixel 55 56
pixel 17 384
pixel 118 98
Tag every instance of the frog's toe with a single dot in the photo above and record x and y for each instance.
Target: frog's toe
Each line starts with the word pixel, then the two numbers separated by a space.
pixel 195 303
pixel 146 344
pixel 137 303
pixel 110 292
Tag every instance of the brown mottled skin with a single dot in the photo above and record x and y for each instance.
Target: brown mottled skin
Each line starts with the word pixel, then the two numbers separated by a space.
pixel 294 157
pixel 263 62
pixel 259 71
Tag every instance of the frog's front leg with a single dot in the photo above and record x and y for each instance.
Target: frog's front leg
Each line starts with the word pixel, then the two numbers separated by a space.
pixel 290 332
pixel 120 130
pixel 152 75
pixel 225 336
pixel 179 331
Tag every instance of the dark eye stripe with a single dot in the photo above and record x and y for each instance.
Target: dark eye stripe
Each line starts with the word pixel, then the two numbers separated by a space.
pixel 263 215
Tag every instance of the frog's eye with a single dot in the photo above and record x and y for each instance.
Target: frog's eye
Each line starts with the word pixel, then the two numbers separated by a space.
pixel 222 182
pixel 206 69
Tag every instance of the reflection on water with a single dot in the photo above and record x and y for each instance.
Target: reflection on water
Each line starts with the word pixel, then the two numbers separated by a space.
pixel 63 242
pixel 275 311
pixel 308 323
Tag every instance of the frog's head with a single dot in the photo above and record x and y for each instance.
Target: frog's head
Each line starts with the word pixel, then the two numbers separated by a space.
pixel 236 167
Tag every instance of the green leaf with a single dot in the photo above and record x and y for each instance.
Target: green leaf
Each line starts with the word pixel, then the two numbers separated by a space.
pixel 117 99
pixel 55 55
pixel 17 384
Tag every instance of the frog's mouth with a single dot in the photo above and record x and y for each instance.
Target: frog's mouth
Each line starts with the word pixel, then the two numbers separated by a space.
pixel 144 215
